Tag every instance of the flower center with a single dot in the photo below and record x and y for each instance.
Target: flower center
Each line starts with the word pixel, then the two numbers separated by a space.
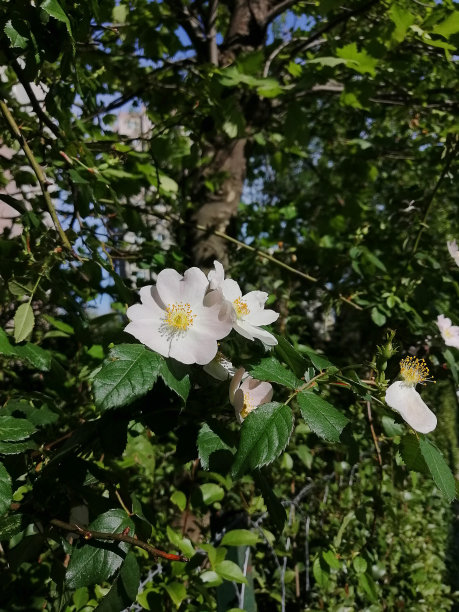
pixel 179 317
pixel 248 405
pixel 241 308
pixel 414 371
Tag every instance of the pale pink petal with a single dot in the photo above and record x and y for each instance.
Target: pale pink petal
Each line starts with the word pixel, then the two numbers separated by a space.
pixel 238 404
pixel 193 348
pixel 216 276
pixel 260 391
pixel 213 322
pixel 168 285
pixel 235 382
pixel 262 317
pixel 443 323
pixel 255 300
pixel 194 286
pixel 231 290
pixel 452 248
pixel 251 332
pixel 220 367
pixel 147 332
pixel 407 402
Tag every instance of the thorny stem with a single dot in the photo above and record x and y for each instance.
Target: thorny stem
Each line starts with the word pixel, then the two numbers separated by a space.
pixel 42 180
pixel 89 534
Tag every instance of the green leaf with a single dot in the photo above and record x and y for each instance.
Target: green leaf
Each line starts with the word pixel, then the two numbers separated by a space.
pixel 448 26
pixel 377 317
pixel 239 537
pixel 31 353
pixel 270 369
pixel 360 61
pixel 53 8
pixel 129 372
pixel 6 492
pixel 411 454
pixel 175 378
pixel 11 525
pixel 211 493
pixel 13 429
pixel 14 448
pixel 230 571
pixel 331 61
pixel 402 19
pixel 321 574
pixel 177 592
pixel 264 435
pixel 360 565
pixel 15 38
pixel 182 544
pixel 209 441
pixel 96 561
pixel 439 469
pixel 24 321
pixel 179 499
pixel 275 508
pixel 296 362
pixel 65 327
pixel 322 417
pixel 318 361
pixel 124 588
pixel 331 559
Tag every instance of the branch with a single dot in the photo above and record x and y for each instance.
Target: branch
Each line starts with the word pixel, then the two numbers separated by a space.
pixel 212 33
pixel 282 6
pixel 89 534
pixel 33 100
pixel 450 157
pixel 342 18
pixel 42 180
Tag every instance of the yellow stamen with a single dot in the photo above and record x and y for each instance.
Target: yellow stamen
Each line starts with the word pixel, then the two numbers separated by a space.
pixel 248 405
pixel 179 316
pixel 241 308
pixel 414 371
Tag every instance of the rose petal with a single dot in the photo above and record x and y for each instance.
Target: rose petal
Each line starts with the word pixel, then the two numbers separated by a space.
pixel 255 300
pixel 147 332
pixel 251 332
pixel 234 384
pixel 408 403
pixel 216 276
pixel 231 290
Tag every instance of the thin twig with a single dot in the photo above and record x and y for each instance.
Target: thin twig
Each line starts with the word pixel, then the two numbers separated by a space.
pixel 450 157
pixel 89 534
pixel 42 180
pixel 375 439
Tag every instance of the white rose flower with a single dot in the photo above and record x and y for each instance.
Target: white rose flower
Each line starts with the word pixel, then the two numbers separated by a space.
pixel 246 393
pixel 174 321
pixel 402 396
pixel 449 332
pixel 453 250
pixel 247 311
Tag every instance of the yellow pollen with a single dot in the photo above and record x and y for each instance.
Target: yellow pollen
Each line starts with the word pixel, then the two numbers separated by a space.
pixel 248 405
pixel 241 308
pixel 179 316
pixel 414 371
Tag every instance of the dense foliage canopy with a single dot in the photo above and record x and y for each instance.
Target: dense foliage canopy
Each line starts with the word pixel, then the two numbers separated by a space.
pixel 308 146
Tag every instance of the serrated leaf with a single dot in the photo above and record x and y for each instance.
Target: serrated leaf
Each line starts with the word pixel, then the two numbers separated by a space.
pixel 230 571
pixel 124 588
pixel 14 448
pixel 13 429
pixel 175 378
pixel 439 469
pixel 297 363
pixel 448 26
pixel 179 499
pixel 318 361
pixel 129 372
pixel 270 369
pixel 239 537
pixel 54 9
pixel 322 417
pixel 33 354
pixel 24 321
pixel 411 454
pixel 209 441
pixel 331 559
pixel 96 561
pixel 15 38
pixel 264 435
pixel 182 544
pixel 6 492
pixel 11 525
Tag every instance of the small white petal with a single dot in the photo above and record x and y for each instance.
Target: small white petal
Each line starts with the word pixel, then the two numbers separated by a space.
pixel 255 300
pixel 147 332
pixel 216 276
pixel 231 290
pixel 235 382
pixel 408 403
pixel 251 332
